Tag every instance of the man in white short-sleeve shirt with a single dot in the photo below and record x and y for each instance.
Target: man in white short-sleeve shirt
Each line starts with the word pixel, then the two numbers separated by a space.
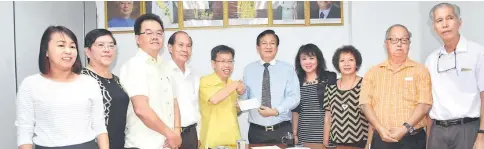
pixel 153 118
pixel 457 74
pixel 187 85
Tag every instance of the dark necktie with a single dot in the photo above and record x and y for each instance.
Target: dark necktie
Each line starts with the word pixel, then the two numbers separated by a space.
pixel 321 15
pixel 266 87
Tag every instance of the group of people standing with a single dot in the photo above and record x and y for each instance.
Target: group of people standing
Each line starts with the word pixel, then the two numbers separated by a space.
pixel 162 104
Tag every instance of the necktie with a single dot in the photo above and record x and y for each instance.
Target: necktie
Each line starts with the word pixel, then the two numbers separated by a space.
pixel 321 15
pixel 266 87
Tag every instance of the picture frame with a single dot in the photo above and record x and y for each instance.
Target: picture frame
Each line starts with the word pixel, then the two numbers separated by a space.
pixel 288 13
pixel 203 14
pixel 248 13
pixel 325 13
pixel 120 15
pixel 169 12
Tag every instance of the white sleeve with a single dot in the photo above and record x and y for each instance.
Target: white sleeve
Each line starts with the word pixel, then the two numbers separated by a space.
pixel 98 121
pixel 25 113
pixel 133 79
pixel 480 72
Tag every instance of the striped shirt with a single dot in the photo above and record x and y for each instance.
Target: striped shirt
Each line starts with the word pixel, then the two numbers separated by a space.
pixel 394 95
pixel 54 114
pixel 311 118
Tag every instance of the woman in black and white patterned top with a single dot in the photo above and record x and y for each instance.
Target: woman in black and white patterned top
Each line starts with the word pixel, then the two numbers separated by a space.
pixel 101 49
pixel 349 126
pixel 308 118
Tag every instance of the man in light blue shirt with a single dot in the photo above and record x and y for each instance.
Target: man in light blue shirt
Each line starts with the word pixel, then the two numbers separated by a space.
pixel 275 83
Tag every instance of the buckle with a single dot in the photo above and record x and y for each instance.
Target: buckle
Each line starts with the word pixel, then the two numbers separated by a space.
pixel 269 128
pixel 445 123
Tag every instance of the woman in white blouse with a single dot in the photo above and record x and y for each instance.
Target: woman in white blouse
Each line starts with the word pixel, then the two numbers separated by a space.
pixel 58 108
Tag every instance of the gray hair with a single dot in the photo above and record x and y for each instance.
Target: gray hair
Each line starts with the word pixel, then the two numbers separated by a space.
pixel 387 34
pixel 454 7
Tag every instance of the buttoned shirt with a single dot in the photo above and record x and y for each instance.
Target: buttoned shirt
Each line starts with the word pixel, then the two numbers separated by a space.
pixel 187 85
pixel 456 91
pixel 146 76
pixel 220 124
pixel 394 94
pixel 284 85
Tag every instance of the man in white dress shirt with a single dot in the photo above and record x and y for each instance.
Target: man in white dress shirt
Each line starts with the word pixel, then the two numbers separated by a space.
pixel 457 74
pixel 187 84
pixel 153 118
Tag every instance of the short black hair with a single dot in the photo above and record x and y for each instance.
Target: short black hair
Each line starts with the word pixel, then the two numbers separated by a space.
pixel 267 32
pixel 146 17
pixel 92 36
pixel 44 64
pixel 172 38
pixel 310 50
pixel 221 49
pixel 347 49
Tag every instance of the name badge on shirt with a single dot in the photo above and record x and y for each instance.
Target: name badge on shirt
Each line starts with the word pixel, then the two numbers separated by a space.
pixel 465 69
pixel 408 78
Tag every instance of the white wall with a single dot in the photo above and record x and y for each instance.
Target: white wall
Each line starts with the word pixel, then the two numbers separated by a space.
pixel 7 78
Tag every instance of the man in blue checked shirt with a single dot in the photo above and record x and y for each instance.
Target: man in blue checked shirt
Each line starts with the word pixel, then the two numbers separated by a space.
pixel 276 84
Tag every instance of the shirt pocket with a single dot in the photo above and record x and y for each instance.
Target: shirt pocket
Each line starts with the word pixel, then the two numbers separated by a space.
pixel 409 89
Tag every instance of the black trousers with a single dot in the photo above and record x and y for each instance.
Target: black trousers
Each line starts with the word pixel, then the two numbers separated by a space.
pixel 260 135
pixel 88 145
pixel 189 137
pixel 416 141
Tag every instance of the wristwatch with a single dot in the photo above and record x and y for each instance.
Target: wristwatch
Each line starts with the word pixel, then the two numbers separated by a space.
pixel 480 131
pixel 409 127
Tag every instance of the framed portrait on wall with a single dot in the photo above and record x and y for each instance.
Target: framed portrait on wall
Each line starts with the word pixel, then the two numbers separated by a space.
pixel 326 12
pixel 202 14
pixel 288 13
pixel 120 15
pixel 248 13
pixel 167 10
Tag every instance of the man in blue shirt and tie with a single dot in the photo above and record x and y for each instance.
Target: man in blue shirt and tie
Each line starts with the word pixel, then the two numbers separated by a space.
pixel 276 84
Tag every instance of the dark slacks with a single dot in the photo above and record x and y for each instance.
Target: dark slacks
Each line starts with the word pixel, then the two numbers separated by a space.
pixel 88 145
pixel 416 141
pixel 189 137
pixel 460 136
pixel 263 135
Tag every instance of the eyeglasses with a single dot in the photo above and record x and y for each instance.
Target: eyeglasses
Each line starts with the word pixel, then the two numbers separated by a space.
pixel 446 70
pixel 151 33
pixel 225 62
pixel 396 40
pixel 108 46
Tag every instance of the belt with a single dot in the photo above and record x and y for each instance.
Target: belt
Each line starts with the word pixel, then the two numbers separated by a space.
pixel 270 128
pixel 459 121
pixel 187 129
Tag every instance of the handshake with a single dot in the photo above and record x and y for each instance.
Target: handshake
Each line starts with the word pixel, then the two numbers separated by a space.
pixel 238 86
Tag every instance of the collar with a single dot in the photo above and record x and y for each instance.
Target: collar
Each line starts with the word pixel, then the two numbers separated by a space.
pixel 272 62
pixel 326 12
pixel 172 65
pixel 148 58
pixel 408 63
pixel 461 46
pixel 216 80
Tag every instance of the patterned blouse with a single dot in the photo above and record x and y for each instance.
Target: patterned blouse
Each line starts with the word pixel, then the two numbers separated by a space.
pixel 348 123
